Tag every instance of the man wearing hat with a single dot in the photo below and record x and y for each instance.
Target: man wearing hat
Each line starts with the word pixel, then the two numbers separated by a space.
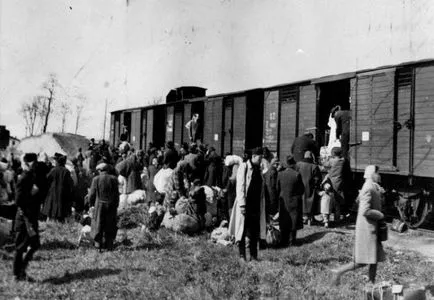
pixel 248 214
pixel 104 195
pixel 29 194
pixel 290 190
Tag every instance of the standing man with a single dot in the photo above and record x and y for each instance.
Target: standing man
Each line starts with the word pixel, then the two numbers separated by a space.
pixel 29 194
pixel 248 215
pixel 104 195
pixel 131 168
pixel 290 190
pixel 193 128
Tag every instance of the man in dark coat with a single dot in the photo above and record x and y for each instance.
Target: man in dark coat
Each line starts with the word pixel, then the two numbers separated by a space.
pixel 213 170
pixel 59 198
pixel 311 176
pixel 131 168
pixel 270 189
pixel 302 144
pixel 290 190
pixel 104 195
pixel 343 122
pixel 31 189
pixel 171 156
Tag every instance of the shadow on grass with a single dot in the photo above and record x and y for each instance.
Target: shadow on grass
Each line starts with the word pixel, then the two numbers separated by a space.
pixel 82 275
pixel 315 237
pixel 58 244
pixel 430 288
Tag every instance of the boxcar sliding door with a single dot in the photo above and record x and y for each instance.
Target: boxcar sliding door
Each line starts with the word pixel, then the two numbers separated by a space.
pixel 227 131
pixel 374 127
pixel 288 98
pixel 271 120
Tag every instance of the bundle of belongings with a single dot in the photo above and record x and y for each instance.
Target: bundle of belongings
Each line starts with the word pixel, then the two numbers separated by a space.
pixel 128 200
pixel 188 214
pixel 221 234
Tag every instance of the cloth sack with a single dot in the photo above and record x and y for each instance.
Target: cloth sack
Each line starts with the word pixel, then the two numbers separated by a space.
pixel 181 223
pixel 162 179
pixel 327 201
pixel 211 199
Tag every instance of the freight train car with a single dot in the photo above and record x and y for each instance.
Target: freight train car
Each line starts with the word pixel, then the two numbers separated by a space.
pixel 392 123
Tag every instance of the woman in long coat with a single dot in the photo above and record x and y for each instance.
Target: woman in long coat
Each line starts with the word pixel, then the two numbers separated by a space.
pixel 60 186
pixel 368 249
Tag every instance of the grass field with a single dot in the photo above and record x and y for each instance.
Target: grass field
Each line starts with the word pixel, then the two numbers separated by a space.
pixel 166 265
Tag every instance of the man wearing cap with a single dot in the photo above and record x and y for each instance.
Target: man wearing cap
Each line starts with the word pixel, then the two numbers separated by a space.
pixel 248 214
pixel 29 194
pixel 104 195
pixel 290 190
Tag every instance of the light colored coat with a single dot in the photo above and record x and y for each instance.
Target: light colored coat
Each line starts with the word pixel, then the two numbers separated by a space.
pixel 368 250
pixel 236 224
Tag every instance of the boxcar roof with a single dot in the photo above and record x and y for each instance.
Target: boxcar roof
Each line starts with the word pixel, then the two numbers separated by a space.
pixel 315 80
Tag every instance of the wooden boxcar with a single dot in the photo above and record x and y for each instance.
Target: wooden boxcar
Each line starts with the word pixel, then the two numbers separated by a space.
pixel 392 119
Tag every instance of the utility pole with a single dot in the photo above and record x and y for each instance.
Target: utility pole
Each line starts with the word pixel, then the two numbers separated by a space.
pixel 105 119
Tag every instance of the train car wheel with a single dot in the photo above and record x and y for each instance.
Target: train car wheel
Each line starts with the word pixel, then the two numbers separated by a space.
pixel 414 210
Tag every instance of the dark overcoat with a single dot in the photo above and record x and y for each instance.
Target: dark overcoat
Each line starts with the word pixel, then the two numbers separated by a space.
pixel 290 190
pixel 311 177
pixel 270 191
pixel 60 190
pixel 104 195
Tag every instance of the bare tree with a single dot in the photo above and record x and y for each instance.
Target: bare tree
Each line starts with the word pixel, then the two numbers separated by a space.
pixel 64 110
pixel 81 99
pixel 31 112
pixel 50 85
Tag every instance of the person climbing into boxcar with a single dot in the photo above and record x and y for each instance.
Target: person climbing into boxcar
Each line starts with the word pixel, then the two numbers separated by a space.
pixel 270 189
pixel 339 173
pixel 343 123
pixel 290 190
pixel 31 190
pixel 368 250
pixel 193 128
pixel 311 176
pixel 104 196
pixel 248 220
pixel 171 156
pixel 59 198
pixel 302 144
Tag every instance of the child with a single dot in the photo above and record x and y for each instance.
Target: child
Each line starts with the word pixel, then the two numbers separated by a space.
pixel 327 199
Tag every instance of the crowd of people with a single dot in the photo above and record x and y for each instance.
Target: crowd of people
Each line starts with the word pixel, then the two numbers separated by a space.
pixel 255 190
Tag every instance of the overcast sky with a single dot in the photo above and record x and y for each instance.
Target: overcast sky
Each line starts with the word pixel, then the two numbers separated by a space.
pixel 132 54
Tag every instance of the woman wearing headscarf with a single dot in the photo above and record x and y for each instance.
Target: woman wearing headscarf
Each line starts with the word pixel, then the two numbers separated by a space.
pixel 368 250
